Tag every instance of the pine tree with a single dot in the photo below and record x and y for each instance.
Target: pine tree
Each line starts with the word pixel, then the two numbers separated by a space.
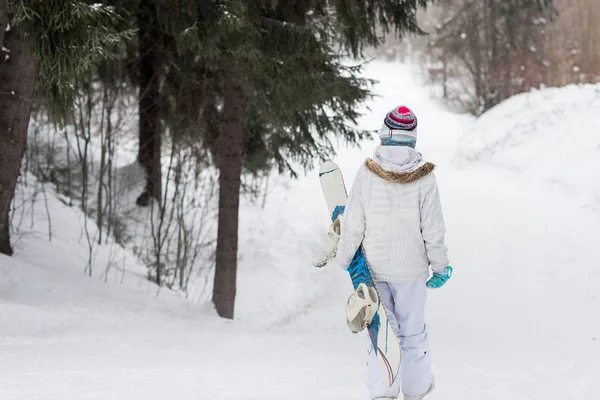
pixel 51 45
pixel 149 46
pixel 17 81
pixel 286 91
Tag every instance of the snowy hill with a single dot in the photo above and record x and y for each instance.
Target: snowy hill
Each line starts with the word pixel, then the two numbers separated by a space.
pixel 518 320
pixel 545 136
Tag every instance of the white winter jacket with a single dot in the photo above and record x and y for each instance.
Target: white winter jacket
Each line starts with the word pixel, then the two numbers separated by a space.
pixel 397 216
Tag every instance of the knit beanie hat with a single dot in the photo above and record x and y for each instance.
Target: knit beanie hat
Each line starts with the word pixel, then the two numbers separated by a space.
pixel 399 128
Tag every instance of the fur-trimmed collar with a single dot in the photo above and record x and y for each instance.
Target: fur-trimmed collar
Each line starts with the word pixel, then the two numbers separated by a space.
pixel 399 177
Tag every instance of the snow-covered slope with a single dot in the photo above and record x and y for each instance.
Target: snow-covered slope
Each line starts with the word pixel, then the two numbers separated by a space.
pixel 549 137
pixel 527 179
pixel 519 319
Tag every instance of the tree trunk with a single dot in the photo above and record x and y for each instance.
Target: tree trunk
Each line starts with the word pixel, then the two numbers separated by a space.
pixel 149 134
pixel 17 81
pixel 231 143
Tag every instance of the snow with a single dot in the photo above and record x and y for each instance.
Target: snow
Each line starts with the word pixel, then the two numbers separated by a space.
pixel 518 320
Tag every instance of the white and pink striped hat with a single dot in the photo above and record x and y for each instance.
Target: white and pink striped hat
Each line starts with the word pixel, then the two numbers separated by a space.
pixel 399 128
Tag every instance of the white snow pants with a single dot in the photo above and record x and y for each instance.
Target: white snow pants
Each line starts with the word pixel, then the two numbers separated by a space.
pixel 405 303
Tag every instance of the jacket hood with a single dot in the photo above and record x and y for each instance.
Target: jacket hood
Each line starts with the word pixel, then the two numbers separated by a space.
pixel 397 158
pixel 419 171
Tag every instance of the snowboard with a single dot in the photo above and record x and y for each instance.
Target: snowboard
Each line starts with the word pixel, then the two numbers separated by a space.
pixel 383 338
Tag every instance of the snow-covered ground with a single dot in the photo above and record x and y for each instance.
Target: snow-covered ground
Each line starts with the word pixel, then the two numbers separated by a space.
pixel 520 319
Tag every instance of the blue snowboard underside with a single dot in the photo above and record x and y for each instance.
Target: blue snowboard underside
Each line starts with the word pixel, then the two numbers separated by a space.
pixel 359 273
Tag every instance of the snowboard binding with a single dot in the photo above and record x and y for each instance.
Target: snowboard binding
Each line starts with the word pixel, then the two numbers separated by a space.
pixel 361 307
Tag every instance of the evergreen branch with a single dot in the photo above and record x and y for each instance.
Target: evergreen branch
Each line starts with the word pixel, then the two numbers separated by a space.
pixel 70 38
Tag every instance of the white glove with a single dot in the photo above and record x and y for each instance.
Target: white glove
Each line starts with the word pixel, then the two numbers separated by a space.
pixel 333 237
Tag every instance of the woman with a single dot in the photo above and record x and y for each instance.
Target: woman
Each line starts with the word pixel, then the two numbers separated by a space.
pixel 394 210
